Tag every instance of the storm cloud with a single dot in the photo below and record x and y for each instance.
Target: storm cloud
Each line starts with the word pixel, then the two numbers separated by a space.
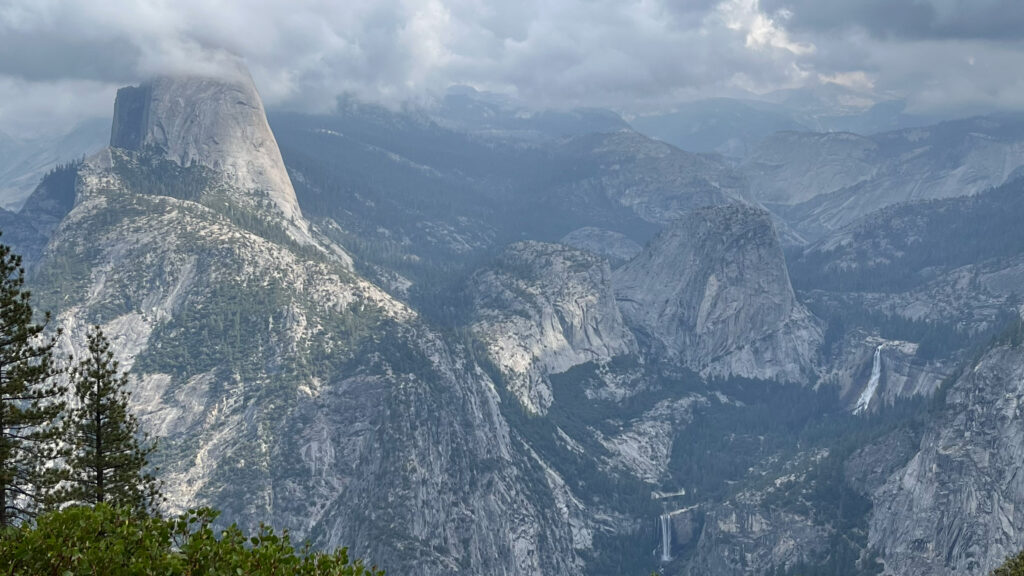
pixel 907 19
pixel 634 56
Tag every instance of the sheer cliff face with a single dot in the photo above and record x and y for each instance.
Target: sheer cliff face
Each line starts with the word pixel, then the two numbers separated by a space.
pixel 216 122
pixel 957 506
pixel 544 308
pixel 713 292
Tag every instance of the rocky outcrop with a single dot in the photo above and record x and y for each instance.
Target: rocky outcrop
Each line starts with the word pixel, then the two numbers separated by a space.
pixel 542 309
pixel 643 447
pixel 957 506
pixel 957 249
pixel 740 537
pixel 713 292
pixel 901 373
pixel 215 122
pixel 286 387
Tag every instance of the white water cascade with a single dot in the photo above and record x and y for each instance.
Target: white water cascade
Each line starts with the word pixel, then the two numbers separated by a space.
pixel 666 537
pixel 869 391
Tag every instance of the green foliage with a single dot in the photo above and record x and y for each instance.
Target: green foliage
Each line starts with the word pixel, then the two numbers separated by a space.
pixel 204 551
pixel 727 446
pixel 726 440
pixel 60 186
pixel 30 399
pixel 1013 566
pixel 149 172
pixel 121 542
pixel 828 496
pixel 84 540
pixel 1013 333
pixel 228 329
pixel 105 457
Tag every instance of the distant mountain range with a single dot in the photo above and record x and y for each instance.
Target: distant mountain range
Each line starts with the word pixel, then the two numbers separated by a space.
pixel 24 161
pixel 735 126
pixel 818 183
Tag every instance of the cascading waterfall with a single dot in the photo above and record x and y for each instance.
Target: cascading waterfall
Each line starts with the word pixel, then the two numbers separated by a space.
pixel 666 537
pixel 869 390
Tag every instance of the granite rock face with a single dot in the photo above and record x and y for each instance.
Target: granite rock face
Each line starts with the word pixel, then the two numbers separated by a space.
pixel 957 506
pixel 900 372
pixel 544 308
pixel 713 291
pixel 742 538
pixel 287 387
pixel 793 167
pixel 216 122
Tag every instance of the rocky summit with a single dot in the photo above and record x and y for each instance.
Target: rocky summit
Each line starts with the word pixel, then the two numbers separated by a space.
pixel 713 291
pixel 214 122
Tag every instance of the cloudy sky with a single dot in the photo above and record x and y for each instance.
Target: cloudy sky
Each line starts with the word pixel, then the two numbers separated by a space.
pixel 61 60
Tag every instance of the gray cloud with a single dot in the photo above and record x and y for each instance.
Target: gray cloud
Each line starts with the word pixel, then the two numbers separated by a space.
pixel 630 55
pixel 911 19
pixel 41 58
pixel 32 108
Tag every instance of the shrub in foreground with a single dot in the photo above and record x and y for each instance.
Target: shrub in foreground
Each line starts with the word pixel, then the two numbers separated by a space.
pixel 1014 566
pixel 83 540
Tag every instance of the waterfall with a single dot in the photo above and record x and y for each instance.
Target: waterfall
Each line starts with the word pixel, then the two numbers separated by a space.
pixel 666 537
pixel 869 390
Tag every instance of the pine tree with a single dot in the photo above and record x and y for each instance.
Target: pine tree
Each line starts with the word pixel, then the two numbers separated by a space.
pixel 30 398
pixel 1014 566
pixel 106 457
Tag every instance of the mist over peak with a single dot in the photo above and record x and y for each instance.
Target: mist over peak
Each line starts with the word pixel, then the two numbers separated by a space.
pixel 634 58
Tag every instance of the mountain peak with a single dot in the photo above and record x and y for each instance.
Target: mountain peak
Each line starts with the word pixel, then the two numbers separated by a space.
pixel 713 290
pixel 218 122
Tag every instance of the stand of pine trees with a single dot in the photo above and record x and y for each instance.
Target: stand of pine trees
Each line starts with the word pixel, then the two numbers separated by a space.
pixel 75 493
pixel 31 399
pixel 54 454
pixel 105 456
